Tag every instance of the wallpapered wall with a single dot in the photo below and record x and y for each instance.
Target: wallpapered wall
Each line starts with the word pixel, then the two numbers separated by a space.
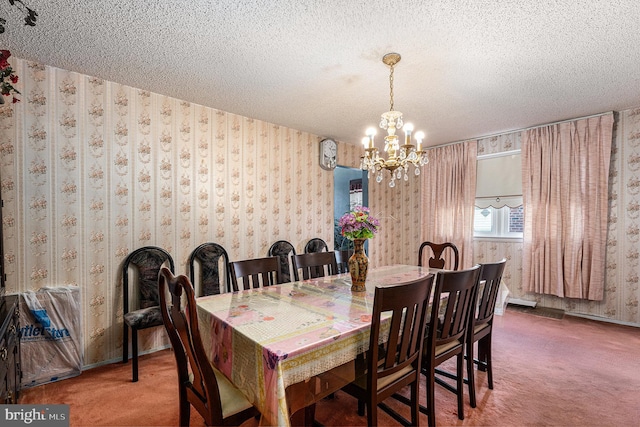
pixel 622 278
pixel 91 170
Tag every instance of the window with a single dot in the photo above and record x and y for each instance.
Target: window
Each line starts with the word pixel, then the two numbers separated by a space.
pixel 498 222
pixel 498 211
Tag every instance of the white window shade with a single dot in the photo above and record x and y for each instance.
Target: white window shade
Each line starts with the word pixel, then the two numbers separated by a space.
pixel 499 180
pixel 498 202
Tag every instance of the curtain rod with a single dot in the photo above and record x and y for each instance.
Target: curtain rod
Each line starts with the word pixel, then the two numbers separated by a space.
pixel 521 130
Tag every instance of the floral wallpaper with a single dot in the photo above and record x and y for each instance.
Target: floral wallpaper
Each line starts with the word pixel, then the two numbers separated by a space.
pixel 91 170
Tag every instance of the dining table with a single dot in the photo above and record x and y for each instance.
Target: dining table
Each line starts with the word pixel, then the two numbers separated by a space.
pixel 287 346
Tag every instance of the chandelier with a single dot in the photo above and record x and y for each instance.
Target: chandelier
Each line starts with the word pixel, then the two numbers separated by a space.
pixel 399 157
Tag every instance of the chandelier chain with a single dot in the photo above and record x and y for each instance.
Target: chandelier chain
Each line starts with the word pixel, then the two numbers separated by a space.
pixel 391 89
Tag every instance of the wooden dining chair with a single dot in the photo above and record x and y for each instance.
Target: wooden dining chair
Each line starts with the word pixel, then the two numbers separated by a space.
pixel 454 295
pixel 283 250
pixel 199 383
pixel 255 272
pixel 481 325
pixel 439 250
pixel 456 291
pixel 211 261
pixel 390 367
pixel 342 259
pixel 313 265
pixel 141 309
pixel 316 245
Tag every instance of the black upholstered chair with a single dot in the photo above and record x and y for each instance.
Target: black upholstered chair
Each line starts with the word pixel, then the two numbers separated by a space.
pixel 211 261
pixel 316 245
pixel 141 309
pixel 283 250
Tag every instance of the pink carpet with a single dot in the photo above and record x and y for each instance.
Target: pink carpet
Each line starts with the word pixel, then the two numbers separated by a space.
pixel 547 372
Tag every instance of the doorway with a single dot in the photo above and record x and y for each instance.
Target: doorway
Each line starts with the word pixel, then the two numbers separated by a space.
pixel 351 188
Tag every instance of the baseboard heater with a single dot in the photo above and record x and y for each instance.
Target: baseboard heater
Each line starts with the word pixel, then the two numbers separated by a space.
pixel 518 301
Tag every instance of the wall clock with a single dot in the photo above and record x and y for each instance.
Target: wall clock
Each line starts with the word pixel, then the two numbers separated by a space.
pixel 328 154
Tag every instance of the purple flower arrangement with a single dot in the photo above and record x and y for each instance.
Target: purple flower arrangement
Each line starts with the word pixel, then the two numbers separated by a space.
pixel 358 224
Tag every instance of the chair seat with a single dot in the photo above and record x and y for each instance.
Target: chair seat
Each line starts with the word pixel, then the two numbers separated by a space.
pixel 361 381
pixel 144 318
pixel 478 328
pixel 446 347
pixel 232 399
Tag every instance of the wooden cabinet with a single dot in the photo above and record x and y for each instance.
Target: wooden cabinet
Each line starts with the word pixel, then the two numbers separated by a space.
pixel 10 373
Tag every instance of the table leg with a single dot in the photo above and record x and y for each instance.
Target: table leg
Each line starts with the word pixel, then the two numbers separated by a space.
pixel 305 416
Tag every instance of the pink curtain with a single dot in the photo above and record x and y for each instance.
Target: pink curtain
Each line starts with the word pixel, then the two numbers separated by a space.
pixel 565 176
pixel 448 195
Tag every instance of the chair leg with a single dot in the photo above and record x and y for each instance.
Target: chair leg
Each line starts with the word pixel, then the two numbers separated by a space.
pixel 360 407
pixel 460 385
pixel 482 354
pixel 134 354
pixel 431 384
pixel 372 414
pixel 415 408
pixel 125 344
pixel 471 375
pixel 489 364
pixel 185 408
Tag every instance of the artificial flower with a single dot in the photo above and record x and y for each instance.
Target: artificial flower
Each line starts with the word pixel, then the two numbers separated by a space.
pixel 358 224
pixel 7 78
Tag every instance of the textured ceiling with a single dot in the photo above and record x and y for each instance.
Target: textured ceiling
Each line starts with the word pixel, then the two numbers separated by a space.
pixel 468 69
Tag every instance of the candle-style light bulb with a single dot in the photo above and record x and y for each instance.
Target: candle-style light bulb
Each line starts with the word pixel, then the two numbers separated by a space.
pixel 365 141
pixel 371 132
pixel 419 138
pixel 408 128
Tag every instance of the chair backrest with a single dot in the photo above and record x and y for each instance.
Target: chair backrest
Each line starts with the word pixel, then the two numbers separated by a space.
pixel 255 272
pixel 453 303
pixel 313 265
pixel 213 261
pixel 342 259
pixel 316 245
pixel 488 288
pixel 147 260
pixel 407 303
pixel 283 250
pixel 181 324
pixel 438 250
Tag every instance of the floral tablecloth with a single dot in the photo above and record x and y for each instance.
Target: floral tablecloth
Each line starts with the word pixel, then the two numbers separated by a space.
pixel 267 339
